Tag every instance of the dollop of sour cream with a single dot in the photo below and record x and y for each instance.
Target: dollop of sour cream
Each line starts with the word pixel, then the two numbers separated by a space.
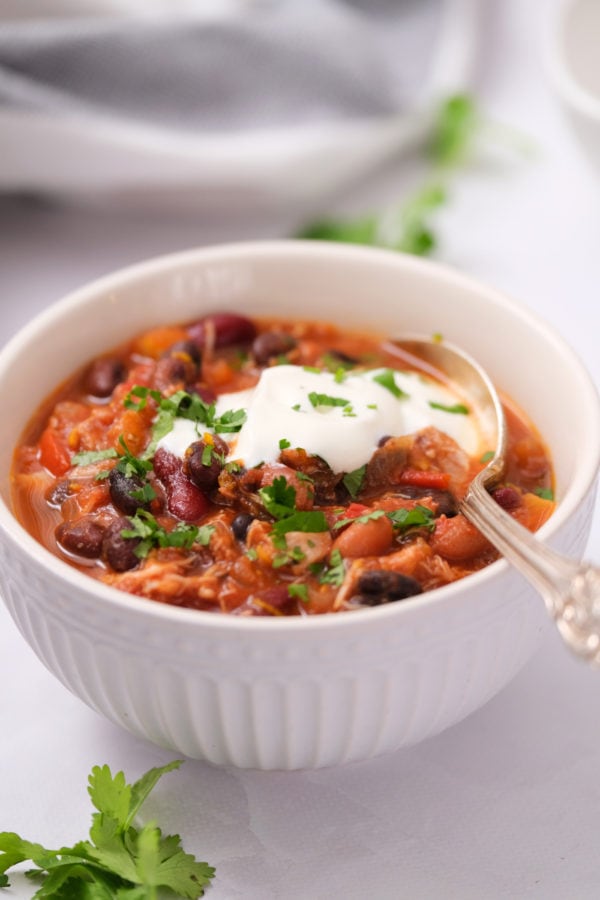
pixel 340 420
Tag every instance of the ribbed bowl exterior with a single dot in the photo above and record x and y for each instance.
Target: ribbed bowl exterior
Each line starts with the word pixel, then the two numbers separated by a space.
pixel 262 701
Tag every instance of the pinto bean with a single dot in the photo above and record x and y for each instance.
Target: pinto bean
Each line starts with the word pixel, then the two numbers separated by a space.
pixel 83 537
pixel 457 539
pixel 222 330
pixel 271 344
pixel 119 551
pixel 103 376
pixel 184 499
pixel 370 538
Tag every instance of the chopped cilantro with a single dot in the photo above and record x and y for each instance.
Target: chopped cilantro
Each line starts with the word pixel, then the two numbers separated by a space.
pixel 308 521
pixel 544 493
pixel 486 457
pixel 141 393
pixel 298 590
pixel 365 517
pixel 279 498
pixel 418 517
pixel 88 457
pixel 119 859
pixel 150 534
pixel 335 572
pixel 387 380
pixel 326 400
pixel 353 481
pixel 284 444
pixel 457 408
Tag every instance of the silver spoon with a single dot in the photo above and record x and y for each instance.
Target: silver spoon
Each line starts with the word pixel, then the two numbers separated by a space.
pixel 571 590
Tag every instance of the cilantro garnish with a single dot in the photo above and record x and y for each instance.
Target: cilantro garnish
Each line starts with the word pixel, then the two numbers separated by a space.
pixel 365 517
pixel 298 590
pixel 141 393
pixel 279 498
pixel 387 380
pixel 284 444
pixel 544 493
pixel 119 859
pixel 182 405
pixel 150 534
pixel 335 572
pixel 418 517
pixel 486 457
pixel 457 408
pixel 308 521
pixel 88 457
pixel 326 400
pixel 353 480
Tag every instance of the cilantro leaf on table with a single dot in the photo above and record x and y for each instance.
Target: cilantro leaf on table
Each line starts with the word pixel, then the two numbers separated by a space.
pixel 119 861
pixel 455 126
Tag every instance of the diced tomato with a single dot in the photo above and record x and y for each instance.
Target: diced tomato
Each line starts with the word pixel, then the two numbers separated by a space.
pixel 54 452
pixel 425 479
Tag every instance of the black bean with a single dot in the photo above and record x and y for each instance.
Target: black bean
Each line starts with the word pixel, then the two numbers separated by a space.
pixel 83 537
pixel 271 344
pixel 377 586
pixel 183 349
pixel 240 526
pixel 119 551
pixel 121 488
pixel 202 465
pixel 446 504
pixel 103 376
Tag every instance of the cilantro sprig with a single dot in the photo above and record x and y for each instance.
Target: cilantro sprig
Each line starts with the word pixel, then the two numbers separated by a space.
pixel 119 860
pixel 182 405
pixel 150 534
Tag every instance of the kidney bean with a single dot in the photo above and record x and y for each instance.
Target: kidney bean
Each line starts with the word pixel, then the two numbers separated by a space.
pixel 58 493
pixel 83 537
pixel 227 329
pixel 121 488
pixel 377 586
pixel 119 551
pixel 506 497
pixel 184 499
pixel 203 475
pixel 271 344
pixel 103 376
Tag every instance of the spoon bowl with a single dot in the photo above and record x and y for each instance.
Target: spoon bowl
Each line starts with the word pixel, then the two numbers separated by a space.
pixel 571 590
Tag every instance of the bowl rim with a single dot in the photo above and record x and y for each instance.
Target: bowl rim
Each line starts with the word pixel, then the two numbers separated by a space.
pixel 131 604
pixel 567 85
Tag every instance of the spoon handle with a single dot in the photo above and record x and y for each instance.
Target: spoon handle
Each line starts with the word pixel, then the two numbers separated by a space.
pixel 571 590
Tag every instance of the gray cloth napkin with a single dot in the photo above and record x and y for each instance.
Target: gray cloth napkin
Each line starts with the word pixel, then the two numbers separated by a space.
pixel 276 64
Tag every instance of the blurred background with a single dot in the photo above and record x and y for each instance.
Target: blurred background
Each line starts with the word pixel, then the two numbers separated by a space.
pixel 464 130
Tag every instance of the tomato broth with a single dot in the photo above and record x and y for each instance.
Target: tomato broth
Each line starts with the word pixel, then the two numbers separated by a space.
pixel 264 468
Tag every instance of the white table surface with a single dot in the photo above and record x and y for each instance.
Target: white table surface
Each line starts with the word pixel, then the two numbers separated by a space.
pixel 504 805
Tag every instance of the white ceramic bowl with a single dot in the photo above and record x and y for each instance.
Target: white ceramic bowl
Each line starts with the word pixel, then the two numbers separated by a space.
pixel 574 65
pixel 322 690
